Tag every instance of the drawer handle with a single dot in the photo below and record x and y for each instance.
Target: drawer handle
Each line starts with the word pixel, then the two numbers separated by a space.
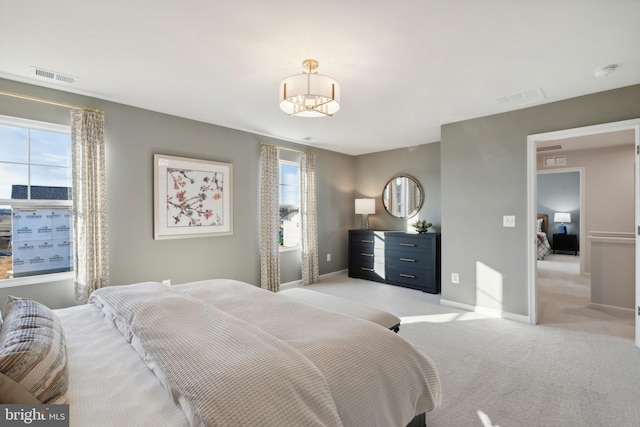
pixel 363 254
pixel 409 276
pixel 407 259
pixel 366 241
pixel 407 244
pixel 367 269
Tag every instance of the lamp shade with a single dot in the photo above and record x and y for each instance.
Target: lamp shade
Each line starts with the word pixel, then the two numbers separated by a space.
pixel 365 206
pixel 562 217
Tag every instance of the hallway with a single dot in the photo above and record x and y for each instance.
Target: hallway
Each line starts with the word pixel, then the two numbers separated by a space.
pixel 564 296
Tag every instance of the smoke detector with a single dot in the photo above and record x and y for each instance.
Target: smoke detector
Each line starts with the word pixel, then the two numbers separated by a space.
pixel 605 71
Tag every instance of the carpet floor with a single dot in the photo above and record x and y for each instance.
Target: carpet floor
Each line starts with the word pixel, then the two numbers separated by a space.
pixel 498 372
pixel 564 297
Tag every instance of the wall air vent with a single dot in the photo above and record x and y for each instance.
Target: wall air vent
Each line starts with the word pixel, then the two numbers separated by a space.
pixel 549 148
pixel 528 97
pixel 53 75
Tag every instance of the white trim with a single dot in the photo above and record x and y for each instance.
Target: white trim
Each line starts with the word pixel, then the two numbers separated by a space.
pixel 456 304
pixel 35 124
pixel 532 140
pixel 289 248
pixel 596 306
pixel 298 283
pixel 486 311
pixel 33 280
pixel 35 203
pixel 611 239
pixel 628 234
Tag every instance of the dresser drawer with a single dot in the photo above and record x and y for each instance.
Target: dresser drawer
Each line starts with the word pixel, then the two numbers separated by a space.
pixel 372 272
pixel 366 241
pixel 421 279
pixel 412 243
pixel 407 259
pixel 367 258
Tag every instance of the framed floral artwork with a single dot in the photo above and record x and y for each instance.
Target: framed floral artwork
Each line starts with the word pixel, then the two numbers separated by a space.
pixel 192 198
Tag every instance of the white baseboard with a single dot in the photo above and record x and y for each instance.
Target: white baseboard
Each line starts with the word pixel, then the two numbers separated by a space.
pixel 486 311
pixel 298 283
pixel 605 307
pixel 294 284
pixel 456 304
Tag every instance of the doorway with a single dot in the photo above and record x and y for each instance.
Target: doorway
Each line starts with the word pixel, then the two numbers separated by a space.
pixel 574 135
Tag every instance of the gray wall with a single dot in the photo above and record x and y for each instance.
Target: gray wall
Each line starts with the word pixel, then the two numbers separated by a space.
pixel 560 192
pixel 484 176
pixel 373 171
pixel 132 136
pixel 473 177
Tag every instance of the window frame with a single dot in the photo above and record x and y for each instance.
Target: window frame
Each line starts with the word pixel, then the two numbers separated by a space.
pixel 37 203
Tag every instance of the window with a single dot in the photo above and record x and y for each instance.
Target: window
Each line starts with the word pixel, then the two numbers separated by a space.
pixel 289 204
pixel 35 198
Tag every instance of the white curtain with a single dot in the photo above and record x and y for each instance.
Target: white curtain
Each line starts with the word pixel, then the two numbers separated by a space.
pixel 91 262
pixel 269 219
pixel 308 209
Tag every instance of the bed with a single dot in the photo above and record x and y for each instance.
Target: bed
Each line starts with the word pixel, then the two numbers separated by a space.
pixel 217 353
pixel 544 247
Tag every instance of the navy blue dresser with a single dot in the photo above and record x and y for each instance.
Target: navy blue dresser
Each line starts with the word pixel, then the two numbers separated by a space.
pixel 397 258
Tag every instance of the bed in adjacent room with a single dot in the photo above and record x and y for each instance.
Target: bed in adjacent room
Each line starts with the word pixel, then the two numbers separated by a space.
pixel 215 353
pixel 544 247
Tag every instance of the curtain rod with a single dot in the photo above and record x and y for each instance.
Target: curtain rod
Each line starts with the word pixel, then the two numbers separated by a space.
pixel 286 148
pixel 48 101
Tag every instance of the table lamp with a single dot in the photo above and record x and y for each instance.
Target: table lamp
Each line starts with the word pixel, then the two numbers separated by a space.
pixel 365 207
pixel 562 217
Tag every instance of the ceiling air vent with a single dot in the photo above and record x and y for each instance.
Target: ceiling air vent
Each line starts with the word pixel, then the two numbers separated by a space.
pixel 527 97
pixel 53 75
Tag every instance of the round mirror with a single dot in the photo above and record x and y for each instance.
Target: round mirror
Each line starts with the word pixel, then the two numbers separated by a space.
pixel 402 196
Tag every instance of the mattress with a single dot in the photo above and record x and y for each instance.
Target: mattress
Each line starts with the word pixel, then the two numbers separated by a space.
pixel 372 375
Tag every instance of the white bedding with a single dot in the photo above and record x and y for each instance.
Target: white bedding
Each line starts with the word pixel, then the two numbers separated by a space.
pixel 109 384
pixel 374 377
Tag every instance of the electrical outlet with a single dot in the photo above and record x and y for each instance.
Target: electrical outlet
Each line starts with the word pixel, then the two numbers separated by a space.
pixel 166 282
pixel 455 278
pixel 328 257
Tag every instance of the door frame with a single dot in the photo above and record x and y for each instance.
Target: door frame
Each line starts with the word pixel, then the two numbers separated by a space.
pixel 532 140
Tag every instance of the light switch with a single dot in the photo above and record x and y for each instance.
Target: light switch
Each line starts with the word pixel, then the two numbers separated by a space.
pixel 509 221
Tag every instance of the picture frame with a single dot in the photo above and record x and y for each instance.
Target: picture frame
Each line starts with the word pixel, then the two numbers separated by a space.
pixel 192 197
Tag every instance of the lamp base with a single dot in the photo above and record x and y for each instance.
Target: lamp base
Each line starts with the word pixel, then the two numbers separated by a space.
pixel 365 222
pixel 562 229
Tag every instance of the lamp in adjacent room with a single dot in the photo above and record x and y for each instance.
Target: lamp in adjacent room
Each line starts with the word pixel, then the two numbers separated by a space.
pixel 562 218
pixel 309 94
pixel 365 207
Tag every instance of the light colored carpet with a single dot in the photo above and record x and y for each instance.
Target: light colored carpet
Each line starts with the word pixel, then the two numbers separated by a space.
pixel 564 297
pixel 505 373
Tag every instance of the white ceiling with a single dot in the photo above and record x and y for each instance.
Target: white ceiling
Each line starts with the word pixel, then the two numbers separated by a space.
pixel 404 67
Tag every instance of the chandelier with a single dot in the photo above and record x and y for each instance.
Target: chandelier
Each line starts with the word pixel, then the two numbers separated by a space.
pixel 309 94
